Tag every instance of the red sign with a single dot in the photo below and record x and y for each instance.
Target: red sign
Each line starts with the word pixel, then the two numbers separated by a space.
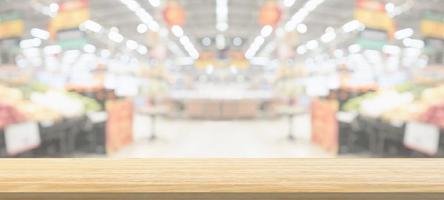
pixel 270 14
pixel 373 5
pixel 119 127
pixel 174 14
pixel 73 5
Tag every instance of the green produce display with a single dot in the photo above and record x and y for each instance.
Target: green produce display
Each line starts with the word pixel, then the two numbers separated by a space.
pixel 90 104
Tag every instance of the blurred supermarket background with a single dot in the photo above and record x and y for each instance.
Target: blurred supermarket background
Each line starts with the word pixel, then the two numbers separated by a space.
pixel 221 78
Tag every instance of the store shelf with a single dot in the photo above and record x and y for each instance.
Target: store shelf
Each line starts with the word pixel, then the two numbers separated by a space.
pixel 222 178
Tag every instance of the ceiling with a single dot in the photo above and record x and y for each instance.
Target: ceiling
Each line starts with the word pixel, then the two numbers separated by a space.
pixel 201 17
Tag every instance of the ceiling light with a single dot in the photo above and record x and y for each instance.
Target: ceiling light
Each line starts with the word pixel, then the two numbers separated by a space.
pixel 53 49
pixel 222 26
pixel 142 28
pixel 328 36
pixel 54 7
pixel 131 44
pixel 391 49
pixel 115 36
pixel 131 4
pixel 404 33
pixel 408 42
pixel 194 54
pixel 249 53
pixel 237 41
pixel 222 15
pixel 301 50
pixel 302 28
pixel 142 14
pixel 184 40
pixel 354 48
pixel 290 26
pixel 29 43
pixel 39 33
pixel 289 3
pixel 91 25
pixel 259 40
pixel 266 31
pixel 220 42
pixel 177 31
pixel 312 44
pixel 301 14
pixel 390 7
pixel 206 41
pixel 154 3
pixel 312 4
pixel 89 48
pixel 352 26
pixel 142 50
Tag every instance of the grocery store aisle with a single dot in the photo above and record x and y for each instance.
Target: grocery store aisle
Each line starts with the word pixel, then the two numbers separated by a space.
pixel 243 138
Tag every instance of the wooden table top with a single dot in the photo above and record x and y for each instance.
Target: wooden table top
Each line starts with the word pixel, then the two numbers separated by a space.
pixel 221 175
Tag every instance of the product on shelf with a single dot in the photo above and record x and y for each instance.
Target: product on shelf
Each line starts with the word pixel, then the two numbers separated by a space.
pixel 9 115
pixel 90 104
pixel 434 115
pixel 384 102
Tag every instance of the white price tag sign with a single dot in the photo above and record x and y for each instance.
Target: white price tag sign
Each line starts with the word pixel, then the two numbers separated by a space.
pixel 422 137
pixel 346 117
pixel 47 124
pixel 97 117
pixel 396 123
pixel 22 137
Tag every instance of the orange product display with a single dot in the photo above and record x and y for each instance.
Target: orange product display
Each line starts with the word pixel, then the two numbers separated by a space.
pixel 324 124
pixel 119 131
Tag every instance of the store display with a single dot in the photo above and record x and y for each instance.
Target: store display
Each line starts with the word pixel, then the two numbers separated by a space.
pixel 74 81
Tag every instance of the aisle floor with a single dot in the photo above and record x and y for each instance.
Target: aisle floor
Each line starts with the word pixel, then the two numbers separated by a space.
pixel 239 138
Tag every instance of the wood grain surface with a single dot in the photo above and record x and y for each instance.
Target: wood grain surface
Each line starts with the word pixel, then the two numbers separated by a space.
pixel 221 178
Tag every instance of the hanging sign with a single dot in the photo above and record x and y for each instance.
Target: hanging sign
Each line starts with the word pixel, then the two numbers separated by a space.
pixel 373 15
pixel 11 25
pixel 432 25
pixel 71 14
pixel 379 25
pixel 65 25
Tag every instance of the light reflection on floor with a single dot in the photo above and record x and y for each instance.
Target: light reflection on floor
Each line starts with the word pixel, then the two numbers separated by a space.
pixel 240 138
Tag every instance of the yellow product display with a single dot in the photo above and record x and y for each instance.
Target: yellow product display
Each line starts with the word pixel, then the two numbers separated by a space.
pixel 10 95
pixel 430 28
pixel 69 19
pixel 14 28
pixel 375 20
pixel 406 113
pixel 433 95
pixel 37 113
